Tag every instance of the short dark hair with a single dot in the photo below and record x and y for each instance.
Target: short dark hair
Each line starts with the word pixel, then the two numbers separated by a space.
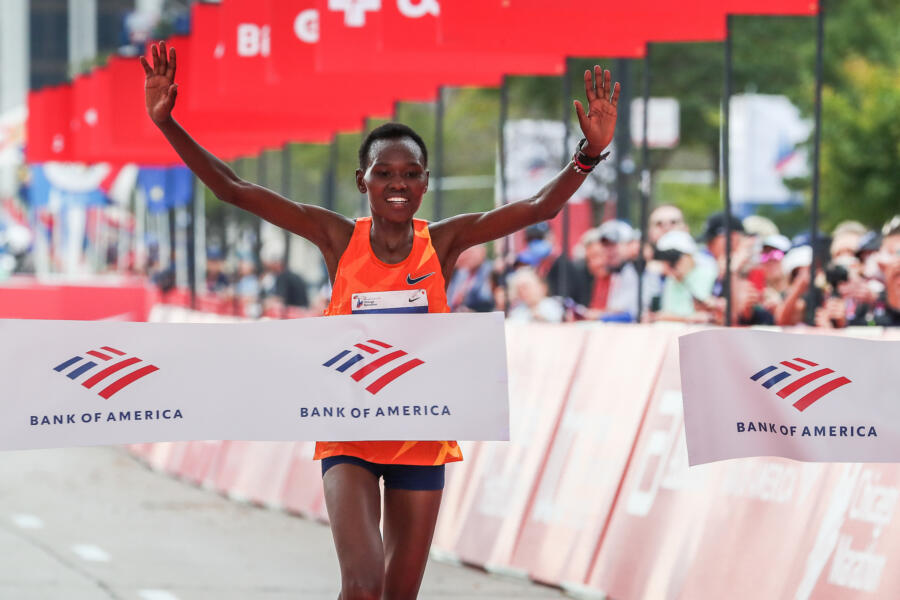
pixel 715 225
pixel 390 131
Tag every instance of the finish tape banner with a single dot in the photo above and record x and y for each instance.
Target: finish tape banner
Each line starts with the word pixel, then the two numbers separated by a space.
pixel 373 377
pixel 806 397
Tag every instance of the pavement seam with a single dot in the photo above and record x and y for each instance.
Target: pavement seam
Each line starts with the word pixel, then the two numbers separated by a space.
pixel 71 564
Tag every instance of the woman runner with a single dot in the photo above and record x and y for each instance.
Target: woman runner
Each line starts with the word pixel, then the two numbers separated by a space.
pixel 389 251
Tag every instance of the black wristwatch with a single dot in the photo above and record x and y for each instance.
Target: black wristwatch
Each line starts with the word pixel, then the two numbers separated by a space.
pixel 583 163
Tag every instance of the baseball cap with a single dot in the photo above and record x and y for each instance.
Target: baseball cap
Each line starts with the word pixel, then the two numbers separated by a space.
pixel 801 256
pixel 777 241
pixel 616 231
pixel 677 240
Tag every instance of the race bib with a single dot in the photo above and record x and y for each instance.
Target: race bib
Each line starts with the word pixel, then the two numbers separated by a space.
pixel 401 301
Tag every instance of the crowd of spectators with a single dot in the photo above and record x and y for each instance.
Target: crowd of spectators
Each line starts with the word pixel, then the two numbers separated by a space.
pixel 675 276
pixel 270 290
pixel 683 278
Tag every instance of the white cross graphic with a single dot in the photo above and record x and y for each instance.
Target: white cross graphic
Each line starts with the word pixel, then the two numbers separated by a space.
pixel 354 10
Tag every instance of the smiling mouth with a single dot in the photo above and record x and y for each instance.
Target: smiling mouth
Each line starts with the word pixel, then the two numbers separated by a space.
pixel 397 201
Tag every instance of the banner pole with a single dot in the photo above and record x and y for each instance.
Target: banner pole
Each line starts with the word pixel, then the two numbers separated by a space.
pixel 563 272
pixel 199 237
pixel 506 242
pixel 329 188
pixel 817 145
pixel 726 169
pixel 190 250
pixel 286 192
pixel 645 181
pixel 623 141
pixel 439 155
pixel 262 179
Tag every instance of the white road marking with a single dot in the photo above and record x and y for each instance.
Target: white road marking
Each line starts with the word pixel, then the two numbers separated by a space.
pixel 91 553
pixel 156 595
pixel 28 521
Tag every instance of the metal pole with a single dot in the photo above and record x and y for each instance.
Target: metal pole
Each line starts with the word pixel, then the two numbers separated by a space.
pixel 199 236
pixel 330 176
pixel 645 181
pixel 262 180
pixel 286 192
pixel 506 242
pixel 235 218
pixel 504 114
pixel 817 142
pixel 563 272
pixel 438 155
pixel 190 246
pixel 726 170
pixel 624 165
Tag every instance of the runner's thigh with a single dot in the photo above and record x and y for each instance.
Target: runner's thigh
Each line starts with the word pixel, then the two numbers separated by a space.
pixel 409 520
pixel 353 500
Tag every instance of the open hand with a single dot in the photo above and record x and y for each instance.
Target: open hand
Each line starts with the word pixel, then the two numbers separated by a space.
pixel 160 89
pixel 599 122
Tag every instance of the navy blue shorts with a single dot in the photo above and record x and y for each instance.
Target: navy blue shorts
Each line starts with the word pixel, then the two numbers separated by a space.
pixel 399 477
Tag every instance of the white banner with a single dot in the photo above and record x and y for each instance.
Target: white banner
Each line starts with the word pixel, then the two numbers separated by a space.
pixel 806 397
pixel 373 377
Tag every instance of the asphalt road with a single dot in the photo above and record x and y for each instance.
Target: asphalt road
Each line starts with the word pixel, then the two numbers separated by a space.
pixel 95 524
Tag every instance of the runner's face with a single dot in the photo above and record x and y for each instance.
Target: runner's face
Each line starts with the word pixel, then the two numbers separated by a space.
pixel 395 179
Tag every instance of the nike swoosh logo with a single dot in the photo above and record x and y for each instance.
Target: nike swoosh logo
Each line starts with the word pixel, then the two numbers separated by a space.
pixel 412 281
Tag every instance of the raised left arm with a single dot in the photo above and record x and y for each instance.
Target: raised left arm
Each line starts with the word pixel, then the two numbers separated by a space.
pixel 598 124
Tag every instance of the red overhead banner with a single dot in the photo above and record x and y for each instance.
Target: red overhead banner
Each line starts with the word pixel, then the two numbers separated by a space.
pixel 403 38
pixel 49 135
pixel 771 7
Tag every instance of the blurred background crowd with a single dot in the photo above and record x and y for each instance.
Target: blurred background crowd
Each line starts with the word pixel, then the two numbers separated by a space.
pixel 684 275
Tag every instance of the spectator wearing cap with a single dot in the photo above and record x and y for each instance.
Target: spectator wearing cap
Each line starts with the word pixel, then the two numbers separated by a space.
pixel 845 239
pixel 741 247
pixel 867 252
pixel 280 287
pixel 774 281
pixel 247 288
pixel 538 252
pixel 601 285
pixel 885 311
pixel 216 279
pixel 470 287
pixel 795 264
pixel 759 227
pixel 528 298
pixel 687 288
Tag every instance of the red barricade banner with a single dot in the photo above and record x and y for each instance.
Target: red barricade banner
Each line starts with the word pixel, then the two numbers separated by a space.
pixel 28 299
pixel 542 361
pixel 262 473
pixel 302 492
pixel 456 483
pixel 199 461
pixel 590 452
pixel 751 528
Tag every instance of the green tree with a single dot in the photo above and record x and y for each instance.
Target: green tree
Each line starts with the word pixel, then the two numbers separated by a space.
pixel 860 178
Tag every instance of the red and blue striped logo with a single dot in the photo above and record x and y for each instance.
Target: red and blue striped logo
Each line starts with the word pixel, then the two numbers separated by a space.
pixel 375 355
pixel 109 378
pixel 804 378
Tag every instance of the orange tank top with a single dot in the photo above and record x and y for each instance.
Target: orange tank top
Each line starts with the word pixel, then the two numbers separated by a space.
pixel 360 271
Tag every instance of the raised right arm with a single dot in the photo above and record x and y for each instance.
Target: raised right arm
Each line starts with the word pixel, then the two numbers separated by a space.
pixel 329 231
